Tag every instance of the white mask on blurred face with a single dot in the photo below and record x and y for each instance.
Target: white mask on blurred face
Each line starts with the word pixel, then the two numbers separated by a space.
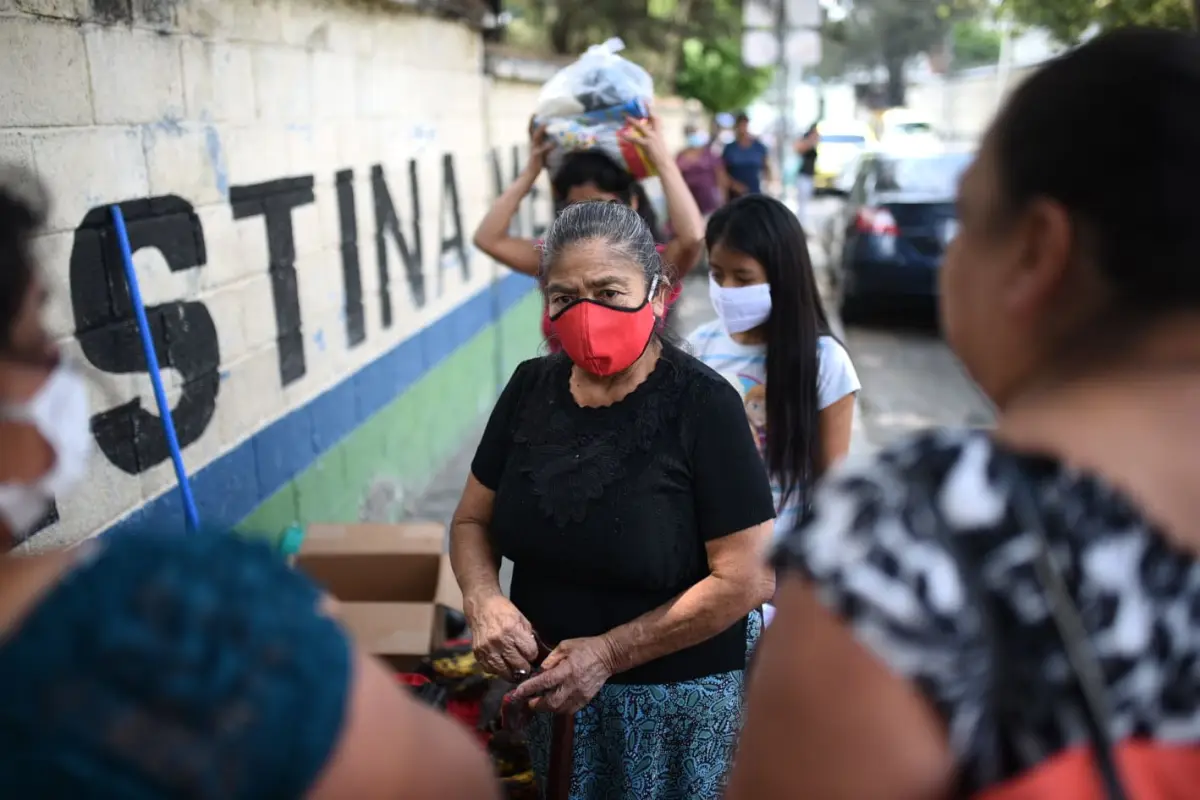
pixel 741 308
pixel 60 413
pixel 698 139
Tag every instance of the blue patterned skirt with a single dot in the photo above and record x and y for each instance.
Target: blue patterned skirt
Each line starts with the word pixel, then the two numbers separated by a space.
pixel 670 741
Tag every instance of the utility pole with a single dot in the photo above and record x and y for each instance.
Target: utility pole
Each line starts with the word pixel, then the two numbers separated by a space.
pixel 783 34
pixel 783 65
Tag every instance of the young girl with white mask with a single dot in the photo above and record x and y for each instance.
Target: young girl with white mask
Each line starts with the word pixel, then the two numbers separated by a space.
pixel 772 341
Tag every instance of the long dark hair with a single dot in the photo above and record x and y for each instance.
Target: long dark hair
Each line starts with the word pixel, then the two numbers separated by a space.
pixel 596 167
pixel 764 229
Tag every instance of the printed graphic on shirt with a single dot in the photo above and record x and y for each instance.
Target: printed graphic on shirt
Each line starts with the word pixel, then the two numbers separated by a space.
pixel 754 397
pixel 745 367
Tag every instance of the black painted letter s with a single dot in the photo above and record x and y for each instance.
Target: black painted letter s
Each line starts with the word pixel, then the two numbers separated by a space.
pixel 185 338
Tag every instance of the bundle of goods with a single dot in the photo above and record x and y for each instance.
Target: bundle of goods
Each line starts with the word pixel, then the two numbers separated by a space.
pixel 587 105
pixel 451 680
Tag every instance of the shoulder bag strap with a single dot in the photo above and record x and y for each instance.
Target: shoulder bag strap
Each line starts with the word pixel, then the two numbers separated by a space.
pixel 1073 635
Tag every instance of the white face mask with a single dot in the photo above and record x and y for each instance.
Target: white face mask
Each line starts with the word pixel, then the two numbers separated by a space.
pixel 741 308
pixel 60 413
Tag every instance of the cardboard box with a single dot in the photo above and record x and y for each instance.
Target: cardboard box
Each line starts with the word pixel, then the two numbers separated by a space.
pixel 393 583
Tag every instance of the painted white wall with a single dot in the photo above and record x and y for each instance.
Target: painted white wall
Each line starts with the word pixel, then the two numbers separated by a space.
pixel 193 97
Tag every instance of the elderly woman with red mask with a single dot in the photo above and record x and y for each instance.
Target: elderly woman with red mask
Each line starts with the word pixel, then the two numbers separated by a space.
pixel 622 480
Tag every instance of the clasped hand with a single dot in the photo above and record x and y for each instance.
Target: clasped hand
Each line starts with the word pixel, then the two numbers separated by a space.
pixel 570 676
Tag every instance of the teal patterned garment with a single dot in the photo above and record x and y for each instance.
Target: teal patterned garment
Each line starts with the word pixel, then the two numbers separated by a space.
pixel 172 666
pixel 632 739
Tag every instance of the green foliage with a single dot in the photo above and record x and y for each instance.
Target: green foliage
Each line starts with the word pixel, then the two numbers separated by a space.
pixel 887 33
pixel 974 45
pixel 713 73
pixel 653 30
pixel 1068 20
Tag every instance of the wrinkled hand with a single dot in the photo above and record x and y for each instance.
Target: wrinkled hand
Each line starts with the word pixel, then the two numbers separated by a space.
pixel 571 676
pixel 540 146
pixel 503 639
pixel 647 134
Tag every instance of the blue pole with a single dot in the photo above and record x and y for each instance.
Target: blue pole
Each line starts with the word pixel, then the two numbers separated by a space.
pixel 191 515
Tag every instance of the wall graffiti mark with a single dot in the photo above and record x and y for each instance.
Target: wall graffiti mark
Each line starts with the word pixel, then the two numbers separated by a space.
pixel 525 222
pixel 184 336
pixel 183 331
pixel 274 201
pixel 453 241
pixel 388 222
pixel 356 325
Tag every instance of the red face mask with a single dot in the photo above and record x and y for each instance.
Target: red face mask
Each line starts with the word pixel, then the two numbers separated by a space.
pixel 604 339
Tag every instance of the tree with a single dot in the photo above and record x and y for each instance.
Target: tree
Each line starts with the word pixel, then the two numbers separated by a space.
pixel 713 73
pixel 974 45
pixel 654 31
pixel 888 33
pixel 1069 20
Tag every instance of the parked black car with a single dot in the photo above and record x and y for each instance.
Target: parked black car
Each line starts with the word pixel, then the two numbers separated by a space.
pixel 888 238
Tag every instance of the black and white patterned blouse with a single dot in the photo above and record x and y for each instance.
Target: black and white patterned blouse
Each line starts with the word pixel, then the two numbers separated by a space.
pixel 879 543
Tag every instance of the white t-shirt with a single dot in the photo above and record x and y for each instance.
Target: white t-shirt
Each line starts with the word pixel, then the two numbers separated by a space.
pixel 745 367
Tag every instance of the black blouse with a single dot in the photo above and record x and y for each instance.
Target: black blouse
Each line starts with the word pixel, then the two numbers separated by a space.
pixel 605 512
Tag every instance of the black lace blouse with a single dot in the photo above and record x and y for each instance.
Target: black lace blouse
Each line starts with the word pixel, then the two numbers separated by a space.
pixel 605 512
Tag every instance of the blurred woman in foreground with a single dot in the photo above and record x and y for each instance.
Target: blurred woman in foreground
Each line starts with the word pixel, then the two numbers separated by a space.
pixel 962 607
pixel 165 665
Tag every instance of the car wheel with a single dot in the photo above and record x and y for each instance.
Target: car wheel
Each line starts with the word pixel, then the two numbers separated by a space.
pixel 853 310
pixel 852 306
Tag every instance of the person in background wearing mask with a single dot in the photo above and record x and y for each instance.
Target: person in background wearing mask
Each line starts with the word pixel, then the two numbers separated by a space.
pixel 806 148
pixel 1013 612
pixel 772 342
pixel 702 170
pixel 592 175
pixel 746 161
pixel 621 480
pixel 166 665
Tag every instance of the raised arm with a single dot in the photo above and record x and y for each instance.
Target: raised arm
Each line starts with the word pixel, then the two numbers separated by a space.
pixel 504 640
pixel 683 251
pixel 492 236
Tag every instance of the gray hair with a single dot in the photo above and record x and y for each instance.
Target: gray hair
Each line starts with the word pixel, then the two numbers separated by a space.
pixel 615 224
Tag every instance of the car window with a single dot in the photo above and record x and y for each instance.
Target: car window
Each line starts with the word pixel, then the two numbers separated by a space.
pixel 934 175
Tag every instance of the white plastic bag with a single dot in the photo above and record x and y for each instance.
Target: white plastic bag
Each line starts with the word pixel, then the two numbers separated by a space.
pixel 586 105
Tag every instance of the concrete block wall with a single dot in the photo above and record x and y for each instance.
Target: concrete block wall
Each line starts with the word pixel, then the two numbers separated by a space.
pixel 300 179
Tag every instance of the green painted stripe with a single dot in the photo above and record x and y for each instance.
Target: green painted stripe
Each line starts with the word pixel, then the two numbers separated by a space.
pixel 409 439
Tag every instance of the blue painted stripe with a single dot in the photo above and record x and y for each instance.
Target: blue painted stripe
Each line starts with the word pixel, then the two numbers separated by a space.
pixel 229 488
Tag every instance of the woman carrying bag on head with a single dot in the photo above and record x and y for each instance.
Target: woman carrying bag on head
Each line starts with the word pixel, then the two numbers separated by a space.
pixel 592 175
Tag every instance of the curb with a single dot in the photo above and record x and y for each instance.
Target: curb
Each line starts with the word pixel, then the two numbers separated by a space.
pixel 860 442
